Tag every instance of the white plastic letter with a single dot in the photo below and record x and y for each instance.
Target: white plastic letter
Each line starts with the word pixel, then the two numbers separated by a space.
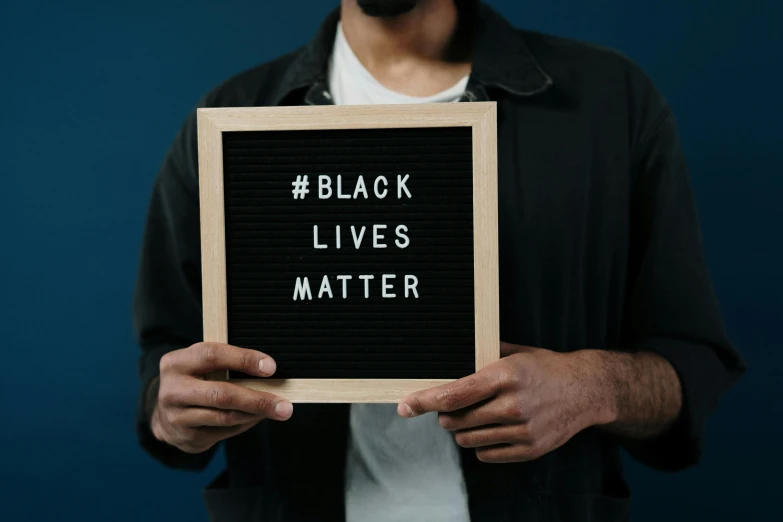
pixel 401 186
pixel 380 195
pixel 325 287
pixel 324 187
pixel 360 188
pixel 387 286
pixel 344 279
pixel 366 284
pixel 315 238
pixel 340 194
pixel 357 241
pixel 400 230
pixel 376 236
pixel 301 289
pixel 410 284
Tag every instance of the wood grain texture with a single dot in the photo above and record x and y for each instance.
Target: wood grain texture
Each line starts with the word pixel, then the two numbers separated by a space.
pixel 485 237
pixel 480 116
pixel 213 235
pixel 342 390
pixel 347 116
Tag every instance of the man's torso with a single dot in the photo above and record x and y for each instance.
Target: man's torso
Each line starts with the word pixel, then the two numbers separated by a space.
pixel 568 123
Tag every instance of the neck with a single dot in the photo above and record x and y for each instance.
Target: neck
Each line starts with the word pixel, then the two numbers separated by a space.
pixel 416 53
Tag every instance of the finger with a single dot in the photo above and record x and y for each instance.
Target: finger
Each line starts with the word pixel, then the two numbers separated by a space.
pixel 197 417
pixel 499 410
pixel 452 396
pixel 201 439
pixel 189 392
pixel 202 358
pixel 504 453
pixel 493 435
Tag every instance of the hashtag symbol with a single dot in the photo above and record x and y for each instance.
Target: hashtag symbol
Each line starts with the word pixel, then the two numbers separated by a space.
pixel 300 187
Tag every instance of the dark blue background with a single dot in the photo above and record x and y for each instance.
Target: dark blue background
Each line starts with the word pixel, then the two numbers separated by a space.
pixel 92 94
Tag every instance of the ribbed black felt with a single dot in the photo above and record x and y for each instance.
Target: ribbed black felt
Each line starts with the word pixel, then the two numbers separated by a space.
pixel 269 243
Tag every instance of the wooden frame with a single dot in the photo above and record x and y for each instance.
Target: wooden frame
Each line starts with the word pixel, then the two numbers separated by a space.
pixel 480 116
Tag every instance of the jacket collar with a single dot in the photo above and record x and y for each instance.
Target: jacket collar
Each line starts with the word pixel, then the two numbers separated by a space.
pixel 501 59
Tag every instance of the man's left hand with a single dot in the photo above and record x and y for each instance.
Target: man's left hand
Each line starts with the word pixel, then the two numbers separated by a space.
pixel 524 405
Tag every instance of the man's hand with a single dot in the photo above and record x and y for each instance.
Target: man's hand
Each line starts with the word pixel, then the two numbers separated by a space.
pixel 520 407
pixel 193 414
pixel 534 400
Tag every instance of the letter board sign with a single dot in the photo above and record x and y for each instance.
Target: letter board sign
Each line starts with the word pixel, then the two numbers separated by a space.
pixel 357 245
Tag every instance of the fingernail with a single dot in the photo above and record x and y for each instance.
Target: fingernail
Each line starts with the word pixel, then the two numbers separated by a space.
pixel 284 409
pixel 407 411
pixel 267 366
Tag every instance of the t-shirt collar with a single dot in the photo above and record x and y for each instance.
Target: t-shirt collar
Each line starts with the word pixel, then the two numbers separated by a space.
pixel 501 59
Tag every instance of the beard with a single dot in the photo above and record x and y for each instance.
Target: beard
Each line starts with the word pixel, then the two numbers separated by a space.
pixel 386 8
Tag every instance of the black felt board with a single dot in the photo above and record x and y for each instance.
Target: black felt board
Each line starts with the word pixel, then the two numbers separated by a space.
pixel 269 243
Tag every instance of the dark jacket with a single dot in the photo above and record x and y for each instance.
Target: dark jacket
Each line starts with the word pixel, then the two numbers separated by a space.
pixel 599 248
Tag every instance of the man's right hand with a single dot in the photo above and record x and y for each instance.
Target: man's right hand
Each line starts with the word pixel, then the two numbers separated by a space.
pixel 194 414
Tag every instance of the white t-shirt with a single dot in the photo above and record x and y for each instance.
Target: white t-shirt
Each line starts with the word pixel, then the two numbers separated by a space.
pixel 397 469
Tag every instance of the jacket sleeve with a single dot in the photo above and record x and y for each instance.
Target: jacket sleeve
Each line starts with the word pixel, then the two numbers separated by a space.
pixel 167 302
pixel 671 308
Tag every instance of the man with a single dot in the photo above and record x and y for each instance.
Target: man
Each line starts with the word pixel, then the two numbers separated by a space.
pixel 611 333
